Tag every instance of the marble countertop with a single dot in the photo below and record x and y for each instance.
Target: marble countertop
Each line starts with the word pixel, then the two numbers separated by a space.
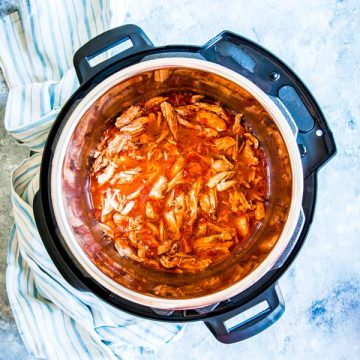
pixel 320 40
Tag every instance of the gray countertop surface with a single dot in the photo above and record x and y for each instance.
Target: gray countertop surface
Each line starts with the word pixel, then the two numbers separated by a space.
pixel 320 40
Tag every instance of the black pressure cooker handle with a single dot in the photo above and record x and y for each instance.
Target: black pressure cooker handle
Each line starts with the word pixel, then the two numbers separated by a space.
pixel 272 308
pixel 315 140
pixel 104 42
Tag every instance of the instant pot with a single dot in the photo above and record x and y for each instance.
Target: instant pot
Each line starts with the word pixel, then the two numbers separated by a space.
pixel 232 66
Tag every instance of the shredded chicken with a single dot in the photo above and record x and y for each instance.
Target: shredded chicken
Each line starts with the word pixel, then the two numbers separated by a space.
pixel 209 201
pixel 107 174
pixel 117 144
pixel 178 181
pixel 237 124
pixel 223 164
pixel 223 176
pixel 161 75
pixel 224 143
pixel 225 185
pixel 125 176
pixel 242 225
pixel 211 120
pixel 127 208
pixel 194 198
pixel 136 127
pixel 171 117
pixel 188 124
pixel 128 116
pixel 157 100
pixel 158 188
pixel 150 211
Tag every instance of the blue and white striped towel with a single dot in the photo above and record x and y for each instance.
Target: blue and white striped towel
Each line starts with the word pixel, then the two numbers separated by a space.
pixel 56 321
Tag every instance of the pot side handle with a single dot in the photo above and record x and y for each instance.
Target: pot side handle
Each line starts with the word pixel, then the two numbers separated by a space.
pixel 130 38
pixel 275 78
pixel 265 310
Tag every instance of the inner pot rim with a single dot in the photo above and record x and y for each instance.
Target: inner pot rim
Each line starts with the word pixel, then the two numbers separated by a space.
pixel 59 207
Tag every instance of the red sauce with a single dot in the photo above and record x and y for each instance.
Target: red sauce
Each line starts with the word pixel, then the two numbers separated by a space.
pixel 178 191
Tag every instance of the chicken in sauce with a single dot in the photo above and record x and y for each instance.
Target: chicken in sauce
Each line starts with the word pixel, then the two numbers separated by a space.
pixel 178 182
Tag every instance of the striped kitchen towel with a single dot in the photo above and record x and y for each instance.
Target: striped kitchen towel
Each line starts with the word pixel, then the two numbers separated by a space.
pixel 56 321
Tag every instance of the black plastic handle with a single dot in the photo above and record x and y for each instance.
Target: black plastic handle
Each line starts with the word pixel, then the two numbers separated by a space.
pixel 105 42
pixel 249 327
pixel 315 140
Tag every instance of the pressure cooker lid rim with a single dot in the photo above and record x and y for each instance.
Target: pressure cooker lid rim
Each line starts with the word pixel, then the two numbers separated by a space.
pixel 65 229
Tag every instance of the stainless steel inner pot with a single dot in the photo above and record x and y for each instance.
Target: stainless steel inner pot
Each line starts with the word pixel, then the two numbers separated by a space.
pixel 72 205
